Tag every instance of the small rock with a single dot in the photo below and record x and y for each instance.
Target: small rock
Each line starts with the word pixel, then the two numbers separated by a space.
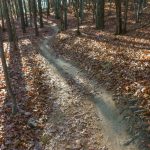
pixel 32 123
pixel 78 144
pixel 27 113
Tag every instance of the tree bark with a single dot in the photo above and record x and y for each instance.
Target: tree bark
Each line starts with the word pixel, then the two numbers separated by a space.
pixel 22 15
pixel 8 22
pixel 40 13
pixel 48 8
pixel 26 16
pixel 7 80
pixel 2 17
pixel 30 11
pixel 35 17
pixel 118 17
pixel 100 14
pixel 124 25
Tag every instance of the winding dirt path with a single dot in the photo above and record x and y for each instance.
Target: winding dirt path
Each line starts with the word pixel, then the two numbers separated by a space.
pixel 112 125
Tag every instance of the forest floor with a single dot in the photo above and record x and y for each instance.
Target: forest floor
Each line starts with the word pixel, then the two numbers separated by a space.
pixel 78 93
pixel 120 64
pixel 67 87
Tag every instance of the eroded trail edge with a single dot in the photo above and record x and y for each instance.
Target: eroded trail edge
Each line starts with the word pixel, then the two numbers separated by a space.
pixel 113 126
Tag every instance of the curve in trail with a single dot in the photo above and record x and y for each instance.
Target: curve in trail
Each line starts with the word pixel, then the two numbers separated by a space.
pixel 113 127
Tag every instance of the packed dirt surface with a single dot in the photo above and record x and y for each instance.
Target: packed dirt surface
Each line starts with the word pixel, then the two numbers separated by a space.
pixel 84 115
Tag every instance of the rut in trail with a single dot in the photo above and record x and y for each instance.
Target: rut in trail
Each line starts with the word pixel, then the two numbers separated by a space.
pixel 113 126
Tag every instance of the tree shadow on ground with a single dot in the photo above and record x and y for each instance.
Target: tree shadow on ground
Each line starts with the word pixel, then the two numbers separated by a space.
pixel 31 94
pixel 18 83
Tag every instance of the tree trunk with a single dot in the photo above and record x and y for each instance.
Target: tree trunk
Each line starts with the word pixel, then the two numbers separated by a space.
pixel 30 11
pixel 7 80
pixel 26 16
pixel 2 17
pixel 40 13
pixel 15 40
pixel 16 8
pixel 57 9
pixel 100 14
pixel 124 25
pixel 35 17
pixel 22 15
pixel 65 15
pixel 48 8
pixel 8 22
pixel 78 17
pixel 118 17
pixel 81 10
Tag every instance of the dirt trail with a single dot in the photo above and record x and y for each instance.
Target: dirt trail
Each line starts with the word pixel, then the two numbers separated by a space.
pixel 113 126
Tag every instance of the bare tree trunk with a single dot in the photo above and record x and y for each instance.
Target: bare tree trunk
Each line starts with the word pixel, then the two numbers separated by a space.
pixel 100 14
pixel 22 15
pixel 26 16
pixel 30 11
pixel 8 22
pixel 76 7
pixel 118 17
pixel 16 8
pixel 124 25
pixel 35 17
pixel 2 17
pixel 48 8
pixel 7 80
pixel 40 13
